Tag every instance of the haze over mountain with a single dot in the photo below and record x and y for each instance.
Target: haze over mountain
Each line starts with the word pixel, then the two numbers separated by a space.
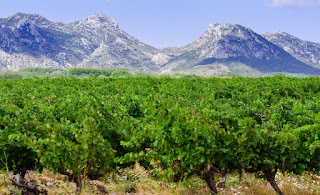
pixel 30 40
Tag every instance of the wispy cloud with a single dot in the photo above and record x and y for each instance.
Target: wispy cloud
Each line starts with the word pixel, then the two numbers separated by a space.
pixel 293 3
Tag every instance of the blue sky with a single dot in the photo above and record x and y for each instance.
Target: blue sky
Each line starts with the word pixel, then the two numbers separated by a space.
pixel 164 23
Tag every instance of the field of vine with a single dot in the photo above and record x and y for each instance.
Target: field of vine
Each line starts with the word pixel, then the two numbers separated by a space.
pixel 176 128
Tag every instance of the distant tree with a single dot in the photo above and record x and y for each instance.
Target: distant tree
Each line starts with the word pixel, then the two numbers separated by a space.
pixel 97 72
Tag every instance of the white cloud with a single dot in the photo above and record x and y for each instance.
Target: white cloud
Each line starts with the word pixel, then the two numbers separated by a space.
pixel 293 3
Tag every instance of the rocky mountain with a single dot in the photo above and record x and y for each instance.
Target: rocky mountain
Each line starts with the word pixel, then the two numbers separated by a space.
pixel 33 41
pixel 30 40
pixel 228 47
pixel 306 51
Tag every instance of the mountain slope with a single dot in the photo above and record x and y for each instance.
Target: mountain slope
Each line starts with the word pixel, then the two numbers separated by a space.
pixel 116 48
pixel 94 42
pixel 305 51
pixel 230 46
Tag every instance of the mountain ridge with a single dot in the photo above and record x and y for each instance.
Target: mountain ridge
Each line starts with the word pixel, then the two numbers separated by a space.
pixel 305 51
pixel 30 40
pixel 75 42
pixel 224 44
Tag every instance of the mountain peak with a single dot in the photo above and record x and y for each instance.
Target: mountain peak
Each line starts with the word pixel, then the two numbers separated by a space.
pixel 23 16
pixel 282 34
pixel 226 26
pixel 15 20
pixel 102 19
pixel 277 34
pixel 213 25
pixel 100 16
pixel 218 30
pixel 265 34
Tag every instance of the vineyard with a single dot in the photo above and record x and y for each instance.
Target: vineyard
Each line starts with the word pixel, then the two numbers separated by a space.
pixel 174 127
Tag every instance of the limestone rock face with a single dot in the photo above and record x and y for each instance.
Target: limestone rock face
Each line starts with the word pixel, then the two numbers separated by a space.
pixel 229 44
pixel 305 51
pixel 30 40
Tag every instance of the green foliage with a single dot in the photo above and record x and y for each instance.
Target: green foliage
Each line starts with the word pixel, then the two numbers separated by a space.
pixel 174 126
pixel 41 70
pixel 10 75
pixel 97 72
